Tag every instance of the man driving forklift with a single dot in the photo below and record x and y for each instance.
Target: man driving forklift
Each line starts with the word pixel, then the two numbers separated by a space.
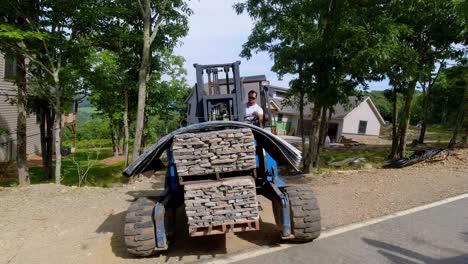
pixel 253 112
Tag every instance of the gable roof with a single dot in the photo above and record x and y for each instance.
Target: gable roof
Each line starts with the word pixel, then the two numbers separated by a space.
pixel 340 110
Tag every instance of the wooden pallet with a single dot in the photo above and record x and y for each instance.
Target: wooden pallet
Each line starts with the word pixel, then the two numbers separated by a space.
pixel 216 176
pixel 248 225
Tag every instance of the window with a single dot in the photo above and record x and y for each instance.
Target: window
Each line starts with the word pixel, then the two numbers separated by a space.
pixel 362 127
pixel 280 95
pixel 10 67
pixel 280 118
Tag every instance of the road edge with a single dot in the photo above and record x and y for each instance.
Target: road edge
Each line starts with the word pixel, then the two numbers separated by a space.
pixel 334 231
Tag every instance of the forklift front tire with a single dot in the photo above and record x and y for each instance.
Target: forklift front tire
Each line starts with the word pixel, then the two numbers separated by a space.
pixel 305 213
pixel 139 232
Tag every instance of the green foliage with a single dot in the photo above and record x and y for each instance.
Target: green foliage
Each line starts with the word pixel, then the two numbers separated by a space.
pixel 383 104
pixel 14 33
pixel 446 95
pixel 332 48
pixel 100 174
pixel 166 98
pixel 4 131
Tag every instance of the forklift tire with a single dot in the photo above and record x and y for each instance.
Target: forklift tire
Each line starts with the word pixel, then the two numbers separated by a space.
pixel 140 238
pixel 305 213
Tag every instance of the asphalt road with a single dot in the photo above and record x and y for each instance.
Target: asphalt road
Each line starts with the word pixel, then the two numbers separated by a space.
pixel 432 236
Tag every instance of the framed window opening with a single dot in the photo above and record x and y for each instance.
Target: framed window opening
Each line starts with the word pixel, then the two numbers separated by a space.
pixel 362 127
pixel 9 71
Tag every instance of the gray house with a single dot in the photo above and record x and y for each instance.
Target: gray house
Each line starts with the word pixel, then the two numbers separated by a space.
pixel 8 114
pixel 359 118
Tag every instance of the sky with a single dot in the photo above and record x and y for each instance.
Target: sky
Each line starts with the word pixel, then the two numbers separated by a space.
pixel 216 35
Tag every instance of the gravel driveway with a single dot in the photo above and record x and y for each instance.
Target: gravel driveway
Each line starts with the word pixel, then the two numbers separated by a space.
pixel 58 224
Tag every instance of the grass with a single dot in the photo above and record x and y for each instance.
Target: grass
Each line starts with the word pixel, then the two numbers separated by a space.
pixel 374 155
pixel 89 143
pixel 434 133
pixel 100 174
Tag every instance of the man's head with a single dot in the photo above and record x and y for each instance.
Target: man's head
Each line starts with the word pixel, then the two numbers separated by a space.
pixel 252 97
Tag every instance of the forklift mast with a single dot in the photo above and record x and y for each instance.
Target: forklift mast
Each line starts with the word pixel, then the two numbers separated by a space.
pixel 222 98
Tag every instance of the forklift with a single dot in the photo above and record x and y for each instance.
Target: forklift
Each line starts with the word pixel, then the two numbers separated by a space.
pixel 218 104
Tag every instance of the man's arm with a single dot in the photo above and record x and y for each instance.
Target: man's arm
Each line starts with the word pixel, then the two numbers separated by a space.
pixel 260 119
pixel 260 116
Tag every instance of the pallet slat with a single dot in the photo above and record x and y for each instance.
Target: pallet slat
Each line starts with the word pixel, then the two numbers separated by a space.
pixel 215 176
pixel 251 225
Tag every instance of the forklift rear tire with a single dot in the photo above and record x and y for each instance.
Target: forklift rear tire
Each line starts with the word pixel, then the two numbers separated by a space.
pixel 305 213
pixel 139 232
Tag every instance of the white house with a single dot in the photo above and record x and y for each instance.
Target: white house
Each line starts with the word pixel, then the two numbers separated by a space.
pixel 357 119
pixel 9 114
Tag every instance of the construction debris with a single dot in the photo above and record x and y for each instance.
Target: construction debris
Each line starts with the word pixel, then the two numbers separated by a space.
pixel 418 156
pixel 349 142
pixel 230 201
pixel 348 161
pixel 217 151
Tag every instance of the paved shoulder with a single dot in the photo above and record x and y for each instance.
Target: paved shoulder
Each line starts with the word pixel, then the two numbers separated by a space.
pixel 432 236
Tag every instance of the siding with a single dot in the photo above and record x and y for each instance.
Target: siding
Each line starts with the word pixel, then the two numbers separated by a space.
pixel 8 116
pixel 363 112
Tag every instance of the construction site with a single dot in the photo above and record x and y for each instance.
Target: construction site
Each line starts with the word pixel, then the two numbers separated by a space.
pixel 243 131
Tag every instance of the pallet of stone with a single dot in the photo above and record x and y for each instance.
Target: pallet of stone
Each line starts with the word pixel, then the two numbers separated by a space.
pixel 214 152
pixel 228 205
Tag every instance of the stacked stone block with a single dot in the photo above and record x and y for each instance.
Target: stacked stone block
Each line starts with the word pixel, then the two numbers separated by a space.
pixel 228 201
pixel 217 151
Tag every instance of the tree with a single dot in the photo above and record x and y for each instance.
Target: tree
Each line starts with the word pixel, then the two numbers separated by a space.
pixel 40 103
pixel 57 25
pixel 108 84
pixel 163 23
pixel 332 45
pixel 166 96
pixel 457 80
pixel 426 86
pixel 13 34
pixel 432 29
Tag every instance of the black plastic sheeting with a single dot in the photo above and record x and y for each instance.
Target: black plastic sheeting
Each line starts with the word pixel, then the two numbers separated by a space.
pixel 283 152
pixel 418 156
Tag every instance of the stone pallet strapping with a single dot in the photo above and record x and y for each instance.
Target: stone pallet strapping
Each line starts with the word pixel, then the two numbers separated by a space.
pixel 217 151
pixel 229 201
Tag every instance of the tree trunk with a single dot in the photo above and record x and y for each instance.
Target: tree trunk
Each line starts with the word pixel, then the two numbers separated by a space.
pixel 58 129
pixel 115 140
pixel 126 132
pixel 144 138
pixel 142 79
pixel 42 129
pixel 310 155
pixel 21 138
pixel 465 137
pixel 46 129
pixel 321 137
pixel 50 119
pixel 301 106
pixel 395 136
pixel 301 123
pixel 406 118
pixel 422 132
pixel 460 119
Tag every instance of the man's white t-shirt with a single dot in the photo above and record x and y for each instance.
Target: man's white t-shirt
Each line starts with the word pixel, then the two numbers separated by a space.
pixel 252 112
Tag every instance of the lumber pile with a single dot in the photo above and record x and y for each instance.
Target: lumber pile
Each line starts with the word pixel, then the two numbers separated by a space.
pixel 230 201
pixel 216 151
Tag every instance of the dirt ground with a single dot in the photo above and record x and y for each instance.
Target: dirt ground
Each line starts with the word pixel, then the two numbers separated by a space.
pixel 57 224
